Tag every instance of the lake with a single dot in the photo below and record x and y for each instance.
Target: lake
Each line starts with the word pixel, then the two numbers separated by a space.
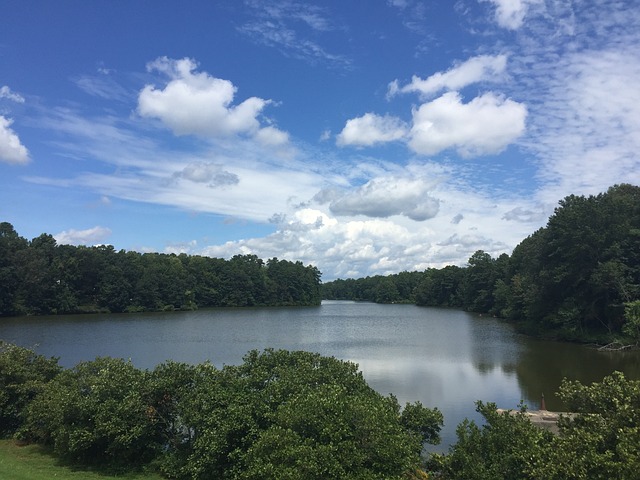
pixel 440 357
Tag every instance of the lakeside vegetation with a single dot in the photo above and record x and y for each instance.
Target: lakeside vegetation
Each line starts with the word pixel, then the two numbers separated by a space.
pixel 577 278
pixel 40 277
pixel 278 415
pixel 287 415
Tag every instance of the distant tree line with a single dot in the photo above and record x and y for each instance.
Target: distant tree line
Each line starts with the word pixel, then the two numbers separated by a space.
pixel 397 288
pixel 577 278
pixel 40 277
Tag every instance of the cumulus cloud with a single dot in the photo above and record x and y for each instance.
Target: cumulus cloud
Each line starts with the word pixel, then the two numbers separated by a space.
pixel 196 103
pixel 206 172
pixel 11 149
pixel 271 136
pixel 348 246
pixel 5 92
pixel 385 197
pixel 483 126
pixel 90 236
pixel 371 129
pixel 482 68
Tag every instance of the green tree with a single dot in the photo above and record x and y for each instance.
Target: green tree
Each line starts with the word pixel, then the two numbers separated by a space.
pixel 632 320
pixel 479 281
pixel 10 247
pixel 506 446
pixel 601 442
pixel 386 291
pixel 295 415
pixel 23 374
pixel 96 413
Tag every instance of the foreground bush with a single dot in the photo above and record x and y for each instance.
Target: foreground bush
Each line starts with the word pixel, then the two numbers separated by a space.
pixel 601 442
pixel 23 374
pixel 293 415
pixel 279 415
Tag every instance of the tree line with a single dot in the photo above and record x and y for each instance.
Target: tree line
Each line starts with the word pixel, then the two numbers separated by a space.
pixel 577 278
pixel 40 277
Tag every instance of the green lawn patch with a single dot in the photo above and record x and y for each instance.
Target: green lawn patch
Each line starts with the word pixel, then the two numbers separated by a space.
pixel 33 462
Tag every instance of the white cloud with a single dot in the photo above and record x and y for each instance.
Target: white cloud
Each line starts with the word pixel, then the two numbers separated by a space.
pixel 388 196
pixel 90 236
pixel 11 149
pixel 482 68
pixel 371 129
pixel 347 246
pixel 5 92
pixel 483 126
pixel 197 103
pixel 510 13
pixel 585 125
pixel 271 136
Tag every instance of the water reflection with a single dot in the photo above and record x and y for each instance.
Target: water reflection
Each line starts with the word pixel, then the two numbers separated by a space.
pixel 544 364
pixel 443 358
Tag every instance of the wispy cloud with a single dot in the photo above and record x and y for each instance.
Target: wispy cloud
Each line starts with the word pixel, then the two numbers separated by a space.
pixel 577 67
pixel 104 87
pixel 5 92
pixel 294 28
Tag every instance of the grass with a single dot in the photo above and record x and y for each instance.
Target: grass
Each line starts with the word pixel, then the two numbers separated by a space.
pixel 32 462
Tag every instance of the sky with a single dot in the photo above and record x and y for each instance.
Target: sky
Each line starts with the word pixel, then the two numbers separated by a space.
pixel 365 137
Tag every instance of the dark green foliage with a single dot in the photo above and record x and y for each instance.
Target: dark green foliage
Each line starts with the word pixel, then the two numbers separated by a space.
pixel 96 413
pixel 41 277
pixel 441 288
pixel 278 415
pixel 396 288
pixel 574 276
pixel 600 442
pixel 294 415
pixel 505 447
pixel 23 375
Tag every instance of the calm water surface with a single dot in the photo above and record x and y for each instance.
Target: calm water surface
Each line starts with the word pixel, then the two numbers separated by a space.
pixel 443 358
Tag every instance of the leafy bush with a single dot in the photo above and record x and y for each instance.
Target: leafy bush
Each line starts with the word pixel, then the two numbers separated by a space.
pixel 23 374
pixel 279 415
pixel 600 442
pixel 295 415
pixel 96 413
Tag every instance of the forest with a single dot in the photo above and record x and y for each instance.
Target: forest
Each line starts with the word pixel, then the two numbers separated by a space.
pixel 577 278
pixel 40 277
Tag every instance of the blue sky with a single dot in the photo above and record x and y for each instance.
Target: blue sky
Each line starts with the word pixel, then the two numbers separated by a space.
pixel 364 137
